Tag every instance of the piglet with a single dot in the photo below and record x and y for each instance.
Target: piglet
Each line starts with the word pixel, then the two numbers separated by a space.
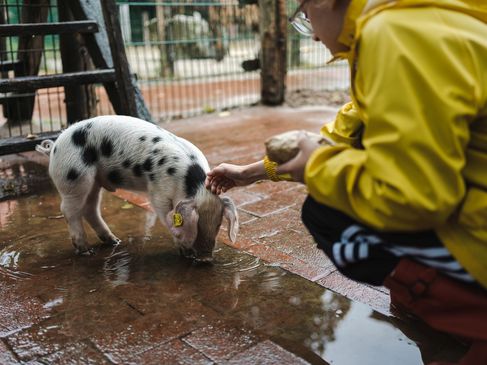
pixel 123 152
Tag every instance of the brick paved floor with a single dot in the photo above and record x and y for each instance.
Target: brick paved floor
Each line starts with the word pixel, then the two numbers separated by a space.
pixel 270 298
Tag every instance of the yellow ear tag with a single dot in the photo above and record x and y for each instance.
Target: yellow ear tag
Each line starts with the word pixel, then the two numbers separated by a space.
pixel 177 220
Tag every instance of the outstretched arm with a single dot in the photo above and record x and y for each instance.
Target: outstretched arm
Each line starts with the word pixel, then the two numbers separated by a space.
pixel 226 176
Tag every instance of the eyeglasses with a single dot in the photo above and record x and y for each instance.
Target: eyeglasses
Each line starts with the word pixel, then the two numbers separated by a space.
pixel 300 21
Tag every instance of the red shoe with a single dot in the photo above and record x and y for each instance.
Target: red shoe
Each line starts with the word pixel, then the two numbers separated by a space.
pixel 443 303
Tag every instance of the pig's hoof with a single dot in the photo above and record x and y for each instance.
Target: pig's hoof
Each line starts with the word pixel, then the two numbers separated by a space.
pixel 85 252
pixel 187 252
pixel 113 241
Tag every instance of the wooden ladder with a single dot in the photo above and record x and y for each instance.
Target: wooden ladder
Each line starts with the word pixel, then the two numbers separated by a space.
pixel 94 23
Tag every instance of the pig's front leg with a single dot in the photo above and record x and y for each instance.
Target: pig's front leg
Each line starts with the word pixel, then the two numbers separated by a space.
pixel 70 207
pixel 93 216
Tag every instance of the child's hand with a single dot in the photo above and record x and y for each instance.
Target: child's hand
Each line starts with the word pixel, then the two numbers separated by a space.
pixel 296 166
pixel 226 176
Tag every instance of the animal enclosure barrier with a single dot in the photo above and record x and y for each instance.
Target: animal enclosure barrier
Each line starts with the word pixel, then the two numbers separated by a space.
pixel 189 58
pixel 194 57
pixel 91 50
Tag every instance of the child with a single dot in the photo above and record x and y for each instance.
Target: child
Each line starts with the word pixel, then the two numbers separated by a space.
pixel 401 199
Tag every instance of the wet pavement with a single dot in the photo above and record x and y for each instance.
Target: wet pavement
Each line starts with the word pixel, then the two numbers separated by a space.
pixel 272 298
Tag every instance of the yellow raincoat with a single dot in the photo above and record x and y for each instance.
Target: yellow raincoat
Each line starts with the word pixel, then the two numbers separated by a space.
pixel 412 146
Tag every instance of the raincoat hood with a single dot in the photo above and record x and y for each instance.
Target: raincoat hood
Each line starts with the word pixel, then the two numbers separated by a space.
pixel 360 10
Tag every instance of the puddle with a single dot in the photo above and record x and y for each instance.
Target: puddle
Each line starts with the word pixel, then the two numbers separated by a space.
pixel 21 179
pixel 116 267
pixel 234 264
pixel 126 300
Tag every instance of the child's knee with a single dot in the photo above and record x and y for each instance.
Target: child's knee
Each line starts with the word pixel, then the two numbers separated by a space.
pixel 324 221
pixel 313 214
pixel 306 213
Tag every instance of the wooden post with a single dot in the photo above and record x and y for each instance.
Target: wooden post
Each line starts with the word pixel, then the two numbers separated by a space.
pixel 124 83
pixel 80 99
pixel 97 44
pixel 29 55
pixel 166 62
pixel 99 47
pixel 273 33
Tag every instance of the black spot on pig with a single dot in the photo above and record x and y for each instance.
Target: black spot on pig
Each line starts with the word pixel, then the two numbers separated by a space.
pixel 194 178
pixel 152 177
pixel 171 171
pixel 126 164
pixel 175 158
pixel 137 169
pixel 79 137
pixel 115 177
pixel 106 147
pixel 147 164
pixel 156 139
pixel 89 125
pixel 142 139
pixel 161 161
pixel 55 150
pixel 192 157
pixel 72 174
pixel 90 155
pixel 155 151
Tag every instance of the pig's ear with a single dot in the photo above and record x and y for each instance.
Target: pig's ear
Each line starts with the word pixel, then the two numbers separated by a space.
pixel 183 221
pixel 230 213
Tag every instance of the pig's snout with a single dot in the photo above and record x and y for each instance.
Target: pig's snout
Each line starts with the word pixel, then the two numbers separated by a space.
pixel 197 256
pixel 187 252
pixel 204 257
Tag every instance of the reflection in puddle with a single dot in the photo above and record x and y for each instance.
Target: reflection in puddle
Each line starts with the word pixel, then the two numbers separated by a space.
pixel 101 297
pixel 229 264
pixel 9 261
pixel 295 300
pixel 116 268
pixel 353 329
pixel 6 210
pixel 13 274
pixel 271 280
pixel 21 178
pixel 54 303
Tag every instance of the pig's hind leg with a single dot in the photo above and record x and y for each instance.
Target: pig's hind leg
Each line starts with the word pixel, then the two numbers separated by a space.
pixel 93 216
pixel 73 200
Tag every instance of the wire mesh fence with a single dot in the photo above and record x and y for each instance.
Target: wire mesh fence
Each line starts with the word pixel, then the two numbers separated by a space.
pixel 190 57
pixel 30 112
pixel 195 57
pixel 12 50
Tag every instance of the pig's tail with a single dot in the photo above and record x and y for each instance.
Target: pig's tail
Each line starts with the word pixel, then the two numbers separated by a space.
pixel 45 147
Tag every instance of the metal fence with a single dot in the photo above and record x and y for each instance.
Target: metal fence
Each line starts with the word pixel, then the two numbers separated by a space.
pixel 205 49
pixel 47 106
pixel 190 57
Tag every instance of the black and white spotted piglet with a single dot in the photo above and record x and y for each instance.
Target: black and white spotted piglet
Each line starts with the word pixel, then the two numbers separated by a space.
pixel 124 152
